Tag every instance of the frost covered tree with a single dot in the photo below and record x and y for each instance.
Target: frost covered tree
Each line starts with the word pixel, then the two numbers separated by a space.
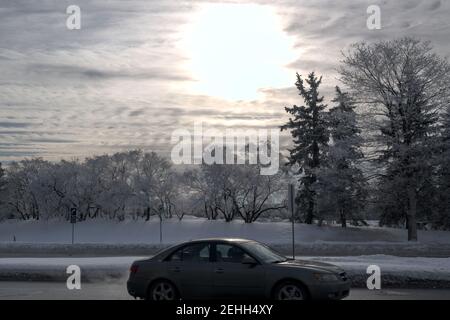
pixel 231 191
pixel 28 192
pixel 111 186
pixel 113 191
pixel 213 185
pixel 154 184
pixel 341 186
pixel 256 194
pixel 442 216
pixel 400 86
pixel 309 131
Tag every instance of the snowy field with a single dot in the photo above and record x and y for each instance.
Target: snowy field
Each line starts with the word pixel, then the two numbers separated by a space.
pixel 174 231
pixel 135 238
pixel 395 271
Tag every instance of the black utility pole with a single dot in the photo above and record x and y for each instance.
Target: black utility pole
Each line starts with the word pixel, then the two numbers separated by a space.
pixel 291 204
pixel 73 220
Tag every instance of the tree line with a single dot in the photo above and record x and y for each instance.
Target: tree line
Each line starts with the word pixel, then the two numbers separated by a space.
pixel 139 185
pixel 384 143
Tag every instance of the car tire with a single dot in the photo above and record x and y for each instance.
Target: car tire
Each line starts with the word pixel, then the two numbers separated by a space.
pixel 290 290
pixel 162 290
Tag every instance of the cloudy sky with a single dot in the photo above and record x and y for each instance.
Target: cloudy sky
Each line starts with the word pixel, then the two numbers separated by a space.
pixel 137 70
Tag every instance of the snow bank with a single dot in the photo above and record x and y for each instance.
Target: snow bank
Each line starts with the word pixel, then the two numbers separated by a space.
pixel 402 272
pixel 54 269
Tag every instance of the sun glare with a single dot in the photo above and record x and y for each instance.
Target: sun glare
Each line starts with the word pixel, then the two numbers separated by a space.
pixel 234 50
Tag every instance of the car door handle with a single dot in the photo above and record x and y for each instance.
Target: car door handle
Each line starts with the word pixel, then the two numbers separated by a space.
pixel 176 269
pixel 219 270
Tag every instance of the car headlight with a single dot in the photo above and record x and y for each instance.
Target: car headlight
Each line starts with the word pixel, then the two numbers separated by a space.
pixel 326 277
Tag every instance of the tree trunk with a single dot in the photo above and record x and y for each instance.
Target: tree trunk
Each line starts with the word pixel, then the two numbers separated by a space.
pixel 343 219
pixel 412 209
pixel 206 211
pixel 310 212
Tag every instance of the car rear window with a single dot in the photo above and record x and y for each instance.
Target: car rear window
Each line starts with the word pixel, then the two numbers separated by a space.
pixel 198 252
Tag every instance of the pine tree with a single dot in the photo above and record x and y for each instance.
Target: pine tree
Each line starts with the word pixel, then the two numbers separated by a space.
pixel 309 132
pixel 341 185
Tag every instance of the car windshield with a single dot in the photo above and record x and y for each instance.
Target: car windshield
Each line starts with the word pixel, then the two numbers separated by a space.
pixel 263 252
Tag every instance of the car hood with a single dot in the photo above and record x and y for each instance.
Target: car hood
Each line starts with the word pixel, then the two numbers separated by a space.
pixel 312 264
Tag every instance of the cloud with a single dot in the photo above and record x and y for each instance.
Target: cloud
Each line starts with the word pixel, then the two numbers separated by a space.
pixel 48 140
pixel 435 5
pixel 136 113
pixel 121 81
pixel 84 73
pixel 14 124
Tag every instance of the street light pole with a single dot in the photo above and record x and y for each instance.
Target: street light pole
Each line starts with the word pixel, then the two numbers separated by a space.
pixel 160 229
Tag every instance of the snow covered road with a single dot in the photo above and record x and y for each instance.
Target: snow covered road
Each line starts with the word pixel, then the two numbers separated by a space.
pixel 117 291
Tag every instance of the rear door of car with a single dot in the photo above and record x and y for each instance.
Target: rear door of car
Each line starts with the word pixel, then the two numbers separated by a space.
pixel 190 268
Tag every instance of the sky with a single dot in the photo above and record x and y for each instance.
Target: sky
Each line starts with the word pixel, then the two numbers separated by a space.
pixel 138 70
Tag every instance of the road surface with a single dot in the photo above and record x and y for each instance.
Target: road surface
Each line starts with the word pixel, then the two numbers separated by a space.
pixel 117 291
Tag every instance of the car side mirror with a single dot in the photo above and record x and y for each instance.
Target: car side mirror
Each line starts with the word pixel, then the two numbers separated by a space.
pixel 249 261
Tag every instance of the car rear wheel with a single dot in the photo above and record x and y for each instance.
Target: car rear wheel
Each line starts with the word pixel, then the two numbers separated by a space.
pixel 290 291
pixel 162 290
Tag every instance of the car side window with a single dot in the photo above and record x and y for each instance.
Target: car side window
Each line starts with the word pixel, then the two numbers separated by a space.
pixel 198 252
pixel 229 253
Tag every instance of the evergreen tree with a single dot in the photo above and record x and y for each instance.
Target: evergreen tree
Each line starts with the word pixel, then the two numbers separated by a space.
pixel 341 185
pixel 309 131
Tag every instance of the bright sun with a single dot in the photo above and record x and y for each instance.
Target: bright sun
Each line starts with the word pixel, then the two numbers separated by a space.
pixel 235 50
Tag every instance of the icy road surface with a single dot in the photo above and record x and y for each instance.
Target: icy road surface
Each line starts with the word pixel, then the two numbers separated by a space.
pixel 117 291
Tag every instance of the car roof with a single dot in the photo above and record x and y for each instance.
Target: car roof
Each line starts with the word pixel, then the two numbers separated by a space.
pixel 233 240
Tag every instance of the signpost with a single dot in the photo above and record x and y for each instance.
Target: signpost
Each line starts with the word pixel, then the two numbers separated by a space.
pixel 73 220
pixel 161 211
pixel 291 206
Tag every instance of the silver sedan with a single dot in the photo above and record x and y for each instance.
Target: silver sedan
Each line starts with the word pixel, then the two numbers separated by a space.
pixel 233 268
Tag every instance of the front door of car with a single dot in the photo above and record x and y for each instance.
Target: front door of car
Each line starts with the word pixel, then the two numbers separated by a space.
pixel 233 274
pixel 190 268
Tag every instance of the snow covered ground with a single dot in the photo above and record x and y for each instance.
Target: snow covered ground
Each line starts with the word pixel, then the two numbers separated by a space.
pixel 141 232
pixel 104 249
pixel 112 238
pixel 395 271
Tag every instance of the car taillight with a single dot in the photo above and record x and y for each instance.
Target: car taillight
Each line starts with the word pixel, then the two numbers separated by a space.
pixel 134 269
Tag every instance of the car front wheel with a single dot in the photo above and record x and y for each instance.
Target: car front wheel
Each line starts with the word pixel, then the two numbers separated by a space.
pixel 290 291
pixel 162 290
